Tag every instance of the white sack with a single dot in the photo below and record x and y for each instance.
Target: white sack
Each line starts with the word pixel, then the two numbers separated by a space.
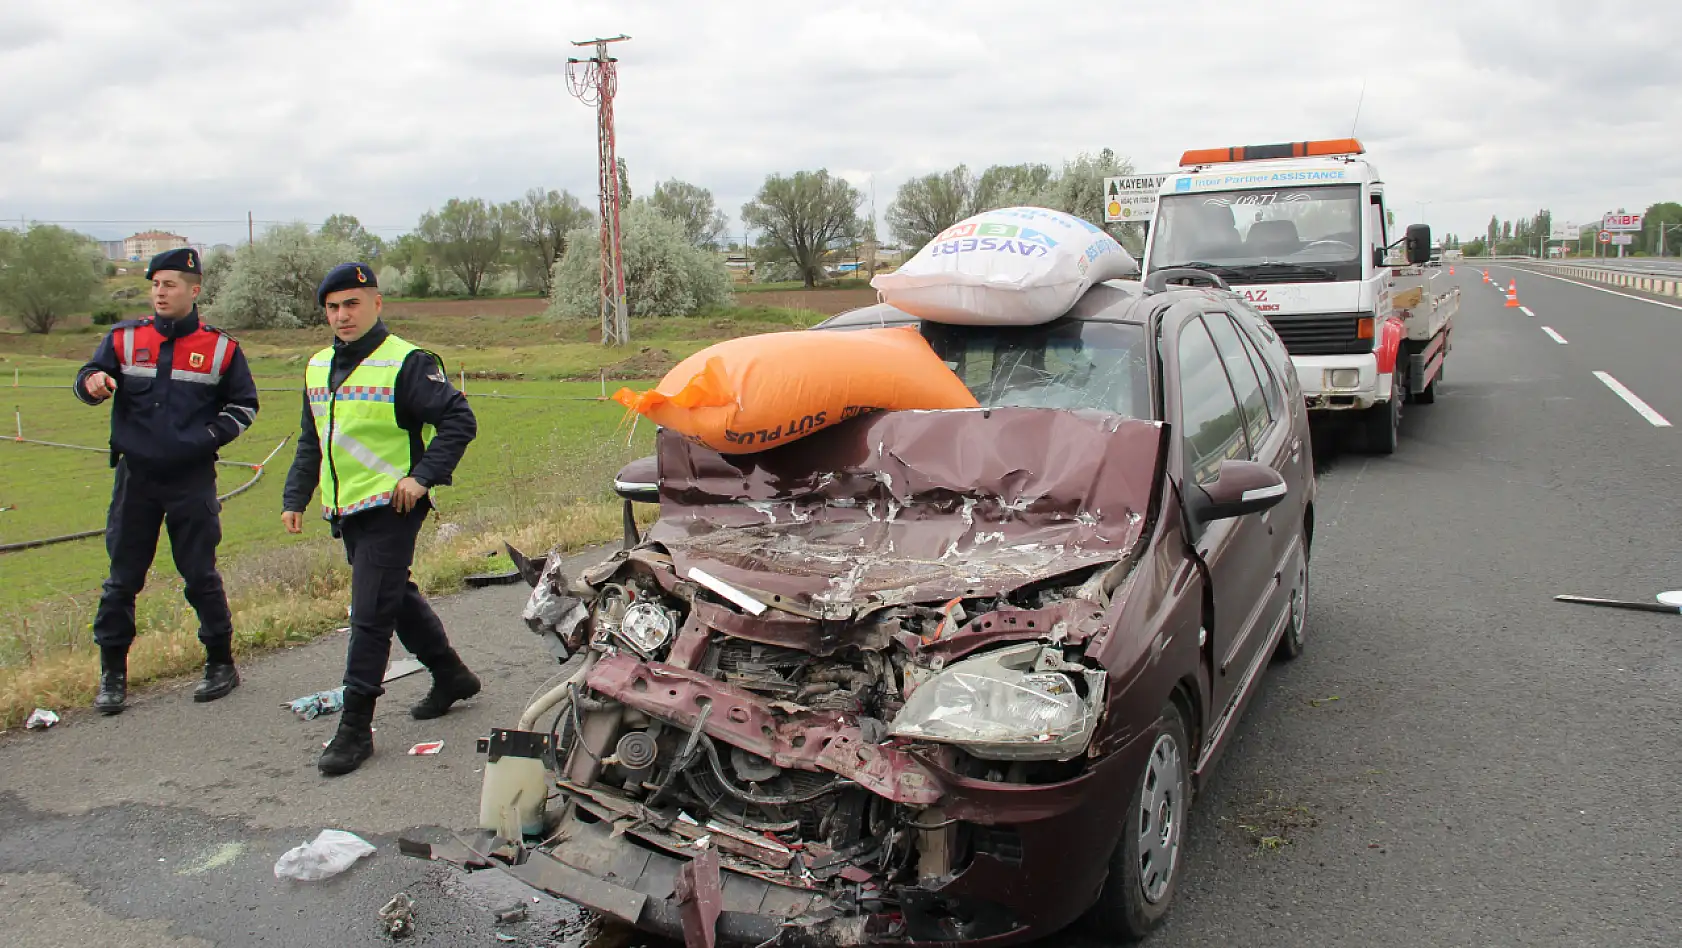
pixel 1013 266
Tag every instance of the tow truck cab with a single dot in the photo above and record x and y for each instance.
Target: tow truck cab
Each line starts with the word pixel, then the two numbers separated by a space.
pixel 1300 231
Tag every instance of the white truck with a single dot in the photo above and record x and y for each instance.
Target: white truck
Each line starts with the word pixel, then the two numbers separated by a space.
pixel 1300 231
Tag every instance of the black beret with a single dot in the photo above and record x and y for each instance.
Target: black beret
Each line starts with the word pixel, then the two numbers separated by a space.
pixel 184 260
pixel 346 276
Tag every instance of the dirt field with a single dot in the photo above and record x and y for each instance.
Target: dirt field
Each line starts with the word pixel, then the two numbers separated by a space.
pixel 516 306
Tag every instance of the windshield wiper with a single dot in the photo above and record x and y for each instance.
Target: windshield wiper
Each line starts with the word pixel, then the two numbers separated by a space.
pixel 1295 268
pixel 1219 269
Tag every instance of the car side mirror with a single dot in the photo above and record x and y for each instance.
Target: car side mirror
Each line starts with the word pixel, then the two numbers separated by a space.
pixel 1239 488
pixel 1418 243
pixel 639 481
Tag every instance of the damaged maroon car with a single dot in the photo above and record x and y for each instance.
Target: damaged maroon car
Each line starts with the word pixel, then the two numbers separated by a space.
pixel 946 676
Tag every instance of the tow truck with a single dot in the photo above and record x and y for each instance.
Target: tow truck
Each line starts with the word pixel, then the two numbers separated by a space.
pixel 1299 230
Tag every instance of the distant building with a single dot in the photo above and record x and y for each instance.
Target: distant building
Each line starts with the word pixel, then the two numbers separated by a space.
pixel 113 249
pixel 150 243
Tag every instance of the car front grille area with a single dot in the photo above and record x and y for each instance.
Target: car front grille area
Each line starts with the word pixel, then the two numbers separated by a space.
pixel 1331 334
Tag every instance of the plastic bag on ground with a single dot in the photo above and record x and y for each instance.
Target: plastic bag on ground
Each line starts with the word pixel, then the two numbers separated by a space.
pixel 1016 266
pixel 330 853
pixel 745 395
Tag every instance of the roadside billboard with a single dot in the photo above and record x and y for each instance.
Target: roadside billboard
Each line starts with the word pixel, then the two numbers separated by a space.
pixel 1621 223
pixel 1561 230
pixel 1131 197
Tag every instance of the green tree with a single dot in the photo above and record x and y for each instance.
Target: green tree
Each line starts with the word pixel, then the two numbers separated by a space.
pixel 1474 248
pixel 466 238
pixel 405 252
pixel 272 282
pixel 1012 186
pixel 537 227
pixel 1665 216
pixel 693 208
pixel 665 274
pixel 1493 233
pixel 803 217
pixel 923 207
pixel 624 183
pixel 47 273
pixel 1079 188
pixel 344 227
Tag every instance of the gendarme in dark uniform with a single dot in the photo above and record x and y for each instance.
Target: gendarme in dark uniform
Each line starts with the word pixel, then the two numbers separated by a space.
pixel 180 392
pixel 381 426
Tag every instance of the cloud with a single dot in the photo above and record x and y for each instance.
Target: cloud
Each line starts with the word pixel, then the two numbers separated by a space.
pixel 114 111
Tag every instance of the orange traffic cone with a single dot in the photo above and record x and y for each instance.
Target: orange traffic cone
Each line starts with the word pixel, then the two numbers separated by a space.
pixel 1512 295
pixel 1486 276
pixel 1451 271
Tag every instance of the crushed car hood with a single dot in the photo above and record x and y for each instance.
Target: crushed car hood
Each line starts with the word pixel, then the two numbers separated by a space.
pixel 903 507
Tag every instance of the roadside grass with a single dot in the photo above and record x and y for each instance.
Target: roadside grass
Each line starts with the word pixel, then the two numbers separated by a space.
pixel 538 476
pixel 851 283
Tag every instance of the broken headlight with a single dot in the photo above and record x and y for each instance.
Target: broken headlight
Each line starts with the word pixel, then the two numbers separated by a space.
pixel 633 618
pixel 1017 703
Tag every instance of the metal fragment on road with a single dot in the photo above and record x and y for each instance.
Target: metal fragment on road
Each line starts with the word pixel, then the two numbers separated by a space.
pixel 402 668
pixel 426 749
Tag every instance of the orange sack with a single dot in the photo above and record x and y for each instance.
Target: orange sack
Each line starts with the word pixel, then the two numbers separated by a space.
pixel 749 394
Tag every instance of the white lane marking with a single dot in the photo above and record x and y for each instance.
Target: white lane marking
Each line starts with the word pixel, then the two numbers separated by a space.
pixel 1641 408
pixel 1556 336
pixel 1527 312
pixel 1591 286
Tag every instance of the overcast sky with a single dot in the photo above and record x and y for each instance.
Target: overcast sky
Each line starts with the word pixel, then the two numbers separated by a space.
pixel 201 110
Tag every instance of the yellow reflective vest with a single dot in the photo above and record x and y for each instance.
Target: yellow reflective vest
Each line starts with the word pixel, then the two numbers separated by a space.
pixel 363 451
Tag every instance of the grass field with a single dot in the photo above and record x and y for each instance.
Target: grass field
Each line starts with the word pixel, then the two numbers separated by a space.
pixel 538 475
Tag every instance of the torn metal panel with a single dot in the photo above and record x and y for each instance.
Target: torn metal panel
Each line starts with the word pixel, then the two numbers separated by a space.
pixel 700 900
pixel 910 506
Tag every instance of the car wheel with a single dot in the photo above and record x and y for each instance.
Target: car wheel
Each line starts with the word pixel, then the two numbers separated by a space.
pixel 1145 867
pixel 1291 643
pixel 1384 422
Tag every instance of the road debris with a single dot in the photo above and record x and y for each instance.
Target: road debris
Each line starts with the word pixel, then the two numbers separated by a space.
pixel 426 749
pixel 398 916
pixel 512 914
pixel 402 668
pixel 1638 606
pixel 310 707
pixel 330 853
pixel 41 719
pixel 1322 702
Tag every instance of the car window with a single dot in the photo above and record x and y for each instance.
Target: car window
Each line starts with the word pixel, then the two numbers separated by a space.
pixel 1211 427
pixel 1271 389
pixel 1068 363
pixel 1265 338
pixel 1245 384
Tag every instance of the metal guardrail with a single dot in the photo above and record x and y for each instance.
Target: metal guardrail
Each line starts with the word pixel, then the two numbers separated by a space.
pixel 1660 283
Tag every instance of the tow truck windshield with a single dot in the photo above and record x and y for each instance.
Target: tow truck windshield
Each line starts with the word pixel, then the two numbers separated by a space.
pixel 1276 235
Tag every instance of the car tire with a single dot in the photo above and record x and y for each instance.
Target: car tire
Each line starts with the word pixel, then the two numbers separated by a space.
pixel 1291 643
pixel 1383 423
pixel 1145 867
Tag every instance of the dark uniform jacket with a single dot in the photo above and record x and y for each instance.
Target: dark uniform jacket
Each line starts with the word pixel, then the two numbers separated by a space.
pixel 184 391
pixel 424 396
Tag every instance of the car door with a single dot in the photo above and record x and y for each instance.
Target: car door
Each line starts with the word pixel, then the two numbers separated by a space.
pixel 1236 552
pixel 1270 437
pixel 1294 461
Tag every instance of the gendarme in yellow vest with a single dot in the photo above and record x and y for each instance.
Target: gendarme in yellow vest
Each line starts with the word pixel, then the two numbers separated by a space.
pixel 363 451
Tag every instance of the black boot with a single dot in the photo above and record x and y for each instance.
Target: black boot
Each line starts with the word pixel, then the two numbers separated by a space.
pixel 353 743
pixel 113 686
pixel 219 679
pixel 451 682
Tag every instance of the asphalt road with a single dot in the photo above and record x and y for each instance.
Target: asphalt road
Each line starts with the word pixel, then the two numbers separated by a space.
pixel 1456 760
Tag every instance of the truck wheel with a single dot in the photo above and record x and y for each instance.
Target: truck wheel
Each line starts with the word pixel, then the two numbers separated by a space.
pixel 1145 867
pixel 1383 423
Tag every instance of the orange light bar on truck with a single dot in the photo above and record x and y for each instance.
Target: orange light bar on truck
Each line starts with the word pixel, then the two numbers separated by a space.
pixel 1364 327
pixel 1320 149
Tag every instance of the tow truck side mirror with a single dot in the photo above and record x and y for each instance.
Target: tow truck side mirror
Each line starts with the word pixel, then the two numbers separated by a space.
pixel 1418 243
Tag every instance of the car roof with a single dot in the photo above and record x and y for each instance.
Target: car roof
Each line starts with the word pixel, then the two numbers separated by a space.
pixel 1113 301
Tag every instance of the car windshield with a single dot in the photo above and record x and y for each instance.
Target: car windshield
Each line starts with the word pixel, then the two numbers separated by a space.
pixel 1249 232
pixel 1070 364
